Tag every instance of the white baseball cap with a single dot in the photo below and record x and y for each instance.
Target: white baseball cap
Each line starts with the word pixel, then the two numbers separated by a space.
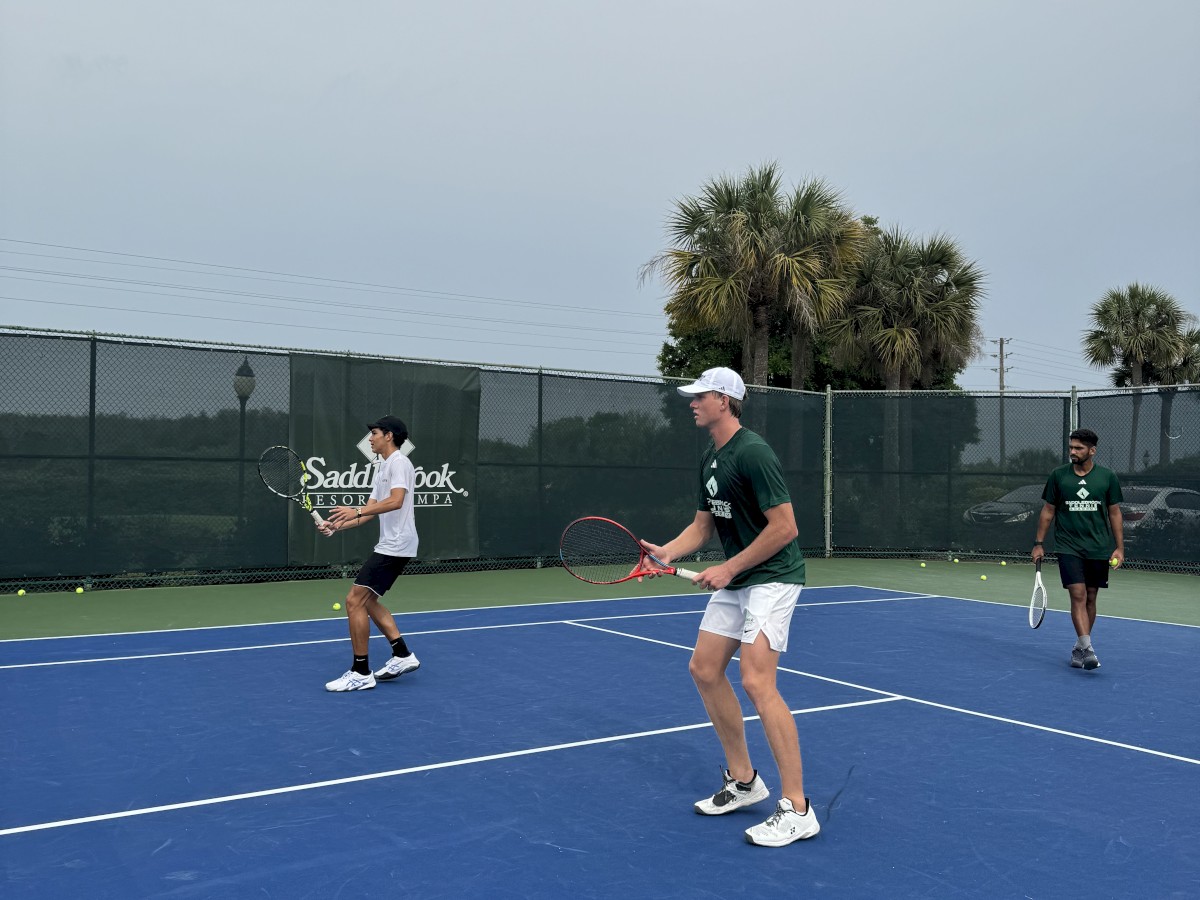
pixel 723 380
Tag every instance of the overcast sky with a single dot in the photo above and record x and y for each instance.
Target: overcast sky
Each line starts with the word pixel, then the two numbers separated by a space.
pixel 481 181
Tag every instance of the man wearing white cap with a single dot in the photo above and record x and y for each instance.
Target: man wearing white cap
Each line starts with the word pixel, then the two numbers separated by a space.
pixel 744 501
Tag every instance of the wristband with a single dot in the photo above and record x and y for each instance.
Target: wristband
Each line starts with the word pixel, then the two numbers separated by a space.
pixel 1037 543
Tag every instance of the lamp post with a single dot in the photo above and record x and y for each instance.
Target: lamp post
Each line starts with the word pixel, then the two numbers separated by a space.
pixel 243 386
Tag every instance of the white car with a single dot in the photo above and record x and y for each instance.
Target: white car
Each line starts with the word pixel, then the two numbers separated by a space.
pixel 1147 503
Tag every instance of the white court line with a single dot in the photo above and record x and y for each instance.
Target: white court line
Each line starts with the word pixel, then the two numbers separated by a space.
pixel 891 695
pixel 429 767
pixel 337 640
pixel 415 612
pixel 1019 603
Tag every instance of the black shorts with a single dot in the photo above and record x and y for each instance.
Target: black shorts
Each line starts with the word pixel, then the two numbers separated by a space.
pixel 380 572
pixel 1076 570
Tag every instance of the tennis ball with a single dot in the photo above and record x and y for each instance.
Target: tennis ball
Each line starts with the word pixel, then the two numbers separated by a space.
pixel 79 590
pixel 21 592
pixel 922 565
pixel 983 578
pixel 337 606
pixel 1114 562
pixel 956 559
pixel 1003 562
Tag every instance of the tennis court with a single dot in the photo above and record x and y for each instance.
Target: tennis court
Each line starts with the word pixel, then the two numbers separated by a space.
pixel 547 749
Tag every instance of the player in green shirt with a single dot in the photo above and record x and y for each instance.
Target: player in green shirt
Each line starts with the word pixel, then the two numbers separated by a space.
pixel 744 501
pixel 1082 501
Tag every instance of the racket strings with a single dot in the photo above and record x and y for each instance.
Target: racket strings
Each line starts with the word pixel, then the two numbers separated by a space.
pixel 282 471
pixel 599 551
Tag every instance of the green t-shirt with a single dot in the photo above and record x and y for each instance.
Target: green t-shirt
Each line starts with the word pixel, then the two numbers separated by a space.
pixel 1081 502
pixel 738 483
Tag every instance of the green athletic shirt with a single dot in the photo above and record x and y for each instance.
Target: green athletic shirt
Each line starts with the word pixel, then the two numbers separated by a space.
pixel 737 484
pixel 1081 502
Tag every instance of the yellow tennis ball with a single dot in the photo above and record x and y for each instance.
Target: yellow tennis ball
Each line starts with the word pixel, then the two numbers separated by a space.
pixel 1003 562
pixel 956 559
pixel 21 592
pixel 922 565
pixel 983 578
pixel 79 590
pixel 337 606
pixel 1114 562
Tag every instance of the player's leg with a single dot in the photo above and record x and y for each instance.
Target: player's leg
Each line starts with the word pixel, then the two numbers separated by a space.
pixel 759 670
pixel 359 676
pixel 708 665
pixel 1074 578
pixel 402 659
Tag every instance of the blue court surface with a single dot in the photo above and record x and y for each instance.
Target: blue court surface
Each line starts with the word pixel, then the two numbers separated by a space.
pixel 555 750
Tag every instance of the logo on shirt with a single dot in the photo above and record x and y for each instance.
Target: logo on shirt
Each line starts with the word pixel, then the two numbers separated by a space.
pixel 711 486
pixel 1082 493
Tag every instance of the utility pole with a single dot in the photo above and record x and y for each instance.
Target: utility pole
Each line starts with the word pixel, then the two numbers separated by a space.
pixel 1001 369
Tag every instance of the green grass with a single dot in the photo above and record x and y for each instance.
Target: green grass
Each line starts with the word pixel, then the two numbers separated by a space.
pixel 1133 594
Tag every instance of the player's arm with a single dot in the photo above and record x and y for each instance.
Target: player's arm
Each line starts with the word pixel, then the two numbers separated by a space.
pixel 345 517
pixel 696 535
pixel 1045 520
pixel 1118 527
pixel 779 532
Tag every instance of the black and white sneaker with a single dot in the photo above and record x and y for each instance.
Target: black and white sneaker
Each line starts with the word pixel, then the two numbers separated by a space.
pixel 734 795
pixel 1089 659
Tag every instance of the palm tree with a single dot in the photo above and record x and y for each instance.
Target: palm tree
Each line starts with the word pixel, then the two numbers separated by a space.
pixel 1136 326
pixel 743 251
pixel 823 240
pixel 1184 369
pixel 912 305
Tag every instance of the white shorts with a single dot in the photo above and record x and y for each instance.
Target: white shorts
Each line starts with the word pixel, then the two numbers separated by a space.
pixel 741 614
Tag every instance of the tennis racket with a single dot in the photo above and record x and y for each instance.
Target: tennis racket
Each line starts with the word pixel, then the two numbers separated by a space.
pixel 284 473
pixel 1037 603
pixel 600 551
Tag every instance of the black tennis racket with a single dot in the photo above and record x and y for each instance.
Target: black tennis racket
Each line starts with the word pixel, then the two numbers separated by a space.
pixel 1037 603
pixel 601 551
pixel 284 473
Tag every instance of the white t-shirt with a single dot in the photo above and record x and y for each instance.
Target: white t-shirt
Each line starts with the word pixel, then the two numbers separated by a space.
pixel 398 528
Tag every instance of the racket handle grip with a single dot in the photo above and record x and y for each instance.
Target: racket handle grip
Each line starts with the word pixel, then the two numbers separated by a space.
pixel 317 517
pixel 685 573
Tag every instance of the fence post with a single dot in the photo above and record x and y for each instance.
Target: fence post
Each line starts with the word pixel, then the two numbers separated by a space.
pixel 1074 408
pixel 90 528
pixel 828 471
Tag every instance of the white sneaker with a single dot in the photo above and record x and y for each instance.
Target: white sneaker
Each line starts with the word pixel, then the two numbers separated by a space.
pixel 352 681
pixel 732 796
pixel 784 826
pixel 397 666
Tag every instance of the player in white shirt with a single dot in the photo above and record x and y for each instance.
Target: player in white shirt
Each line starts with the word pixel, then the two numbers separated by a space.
pixel 392 502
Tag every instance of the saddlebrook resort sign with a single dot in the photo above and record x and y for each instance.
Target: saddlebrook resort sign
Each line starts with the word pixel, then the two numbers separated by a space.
pixel 434 488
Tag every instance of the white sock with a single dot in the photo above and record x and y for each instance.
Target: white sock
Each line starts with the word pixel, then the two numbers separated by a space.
pixel 1083 641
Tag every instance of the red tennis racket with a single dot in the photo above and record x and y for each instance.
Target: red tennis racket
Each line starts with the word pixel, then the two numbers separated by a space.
pixel 600 551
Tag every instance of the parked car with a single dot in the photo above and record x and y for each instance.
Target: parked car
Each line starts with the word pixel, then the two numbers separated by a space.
pixel 1147 503
pixel 1019 505
pixel 1143 503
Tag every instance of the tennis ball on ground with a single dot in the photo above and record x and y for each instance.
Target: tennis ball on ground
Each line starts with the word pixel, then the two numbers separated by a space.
pixel 21 592
pixel 337 606
pixel 956 559
pixel 79 590
pixel 983 578
pixel 922 565
pixel 1003 562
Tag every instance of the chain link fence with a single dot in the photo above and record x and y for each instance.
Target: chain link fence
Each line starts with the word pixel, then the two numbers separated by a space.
pixel 131 462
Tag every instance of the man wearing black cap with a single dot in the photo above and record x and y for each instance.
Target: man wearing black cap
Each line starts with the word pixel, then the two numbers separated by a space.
pixel 392 501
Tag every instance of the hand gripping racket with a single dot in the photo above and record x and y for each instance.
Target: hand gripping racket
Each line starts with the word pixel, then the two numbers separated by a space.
pixel 599 551
pixel 1037 603
pixel 284 473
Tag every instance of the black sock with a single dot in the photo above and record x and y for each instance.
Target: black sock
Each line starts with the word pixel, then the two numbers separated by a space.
pixel 745 785
pixel 399 648
pixel 360 666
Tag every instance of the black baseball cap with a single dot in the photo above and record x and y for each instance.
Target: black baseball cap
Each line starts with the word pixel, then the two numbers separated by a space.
pixel 390 423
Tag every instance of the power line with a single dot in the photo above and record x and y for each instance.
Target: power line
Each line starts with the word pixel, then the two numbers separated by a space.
pixel 339 311
pixel 325 328
pixel 365 286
